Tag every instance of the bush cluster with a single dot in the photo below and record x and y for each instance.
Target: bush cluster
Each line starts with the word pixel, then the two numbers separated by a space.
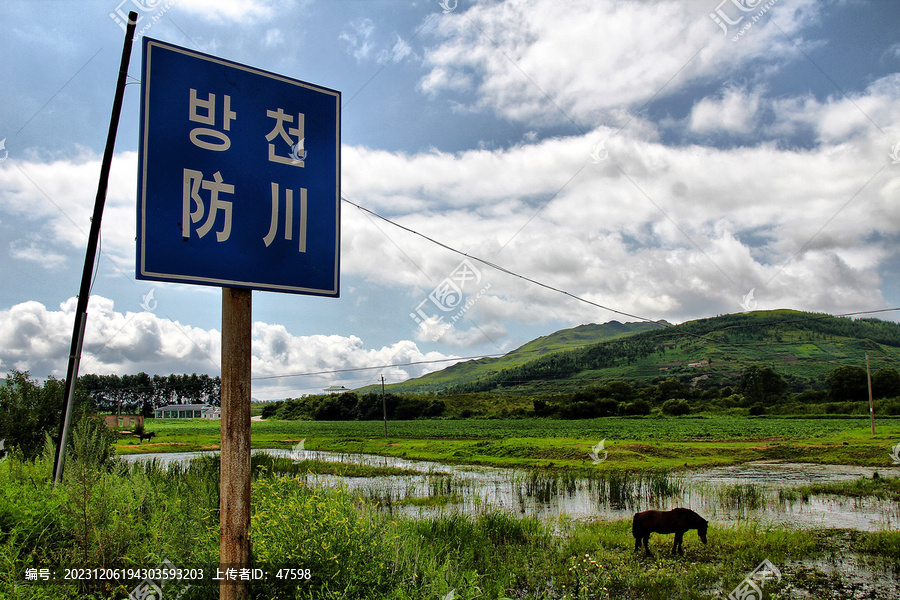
pixel 351 407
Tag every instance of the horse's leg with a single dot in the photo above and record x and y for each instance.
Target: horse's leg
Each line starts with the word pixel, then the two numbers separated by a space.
pixel 676 547
pixel 646 540
pixel 637 543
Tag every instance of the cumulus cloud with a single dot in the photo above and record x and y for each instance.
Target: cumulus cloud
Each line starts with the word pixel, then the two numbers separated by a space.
pixel 57 197
pixel 550 62
pixel 36 339
pixel 654 230
pixel 842 118
pixel 733 112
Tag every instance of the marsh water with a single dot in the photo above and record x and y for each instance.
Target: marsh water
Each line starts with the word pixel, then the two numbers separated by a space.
pixel 754 491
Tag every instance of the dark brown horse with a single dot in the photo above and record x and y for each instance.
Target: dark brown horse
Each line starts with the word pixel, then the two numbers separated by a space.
pixel 677 521
pixel 146 436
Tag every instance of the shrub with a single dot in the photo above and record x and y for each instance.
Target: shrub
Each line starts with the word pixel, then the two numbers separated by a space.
pixel 638 407
pixel 270 409
pixel 889 407
pixel 607 407
pixel 29 410
pixel 676 407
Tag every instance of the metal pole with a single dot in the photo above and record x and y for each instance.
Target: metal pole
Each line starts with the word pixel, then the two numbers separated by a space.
pixel 91 255
pixel 234 513
pixel 871 403
pixel 384 406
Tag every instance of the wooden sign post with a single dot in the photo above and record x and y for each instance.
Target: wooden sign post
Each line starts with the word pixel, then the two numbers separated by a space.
pixel 255 157
pixel 234 513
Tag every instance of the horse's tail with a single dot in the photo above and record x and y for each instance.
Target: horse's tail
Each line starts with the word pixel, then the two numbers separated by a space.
pixel 635 527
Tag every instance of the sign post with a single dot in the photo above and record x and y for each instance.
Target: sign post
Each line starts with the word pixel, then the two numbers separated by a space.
pixel 234 511
pixel 238 187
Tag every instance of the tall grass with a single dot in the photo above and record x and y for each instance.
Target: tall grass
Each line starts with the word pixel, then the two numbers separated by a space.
pixel 109 514
pixel 741 496
pixel 617 488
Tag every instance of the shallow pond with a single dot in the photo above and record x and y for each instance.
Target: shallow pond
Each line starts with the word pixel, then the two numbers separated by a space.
pixel 725 494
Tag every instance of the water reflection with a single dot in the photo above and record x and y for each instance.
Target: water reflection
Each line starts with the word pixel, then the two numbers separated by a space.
pixel 725 494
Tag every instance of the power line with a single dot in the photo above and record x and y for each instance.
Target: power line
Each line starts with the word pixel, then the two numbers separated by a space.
pixel 500 268
pixel 748 345
pixel 407 364
pixel 659 323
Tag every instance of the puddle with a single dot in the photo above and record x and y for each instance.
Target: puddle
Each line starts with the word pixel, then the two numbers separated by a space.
pixel 724 494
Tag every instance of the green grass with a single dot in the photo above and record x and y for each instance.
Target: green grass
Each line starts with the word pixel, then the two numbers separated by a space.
pixel 140 515
pixel 632 443
pixel 883 488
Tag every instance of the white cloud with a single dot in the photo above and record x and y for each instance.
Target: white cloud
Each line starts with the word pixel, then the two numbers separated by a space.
pixel 842 118
pixel 655 230
pixel 398 52
pixel 37 339
pixel 734 111
pixel 541 61
pixel 240 11
pixel 58 196
pixel 658 230
pixel 358 37
pixel 37 252
pixel 273 38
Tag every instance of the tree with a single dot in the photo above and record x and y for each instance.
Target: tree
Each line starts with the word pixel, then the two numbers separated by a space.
pixel 638 407
pixel 270 409
pixel 606 407
pixel 29 410
pixel 588 395
pixel 760 384
pixel 337 407
pixel 670 389
pixel 886 383
pixel 621 391
pixel 541 408
pixel 847 384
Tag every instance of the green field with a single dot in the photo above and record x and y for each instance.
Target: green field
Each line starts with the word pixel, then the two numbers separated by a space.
pixel 642 443
pixel 110 516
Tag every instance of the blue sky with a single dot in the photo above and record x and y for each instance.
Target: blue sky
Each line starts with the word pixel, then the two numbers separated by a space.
pixel 634 154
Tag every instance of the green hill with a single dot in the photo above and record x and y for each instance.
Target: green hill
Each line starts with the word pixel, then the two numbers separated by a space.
pixel 474 370
pixel 803 347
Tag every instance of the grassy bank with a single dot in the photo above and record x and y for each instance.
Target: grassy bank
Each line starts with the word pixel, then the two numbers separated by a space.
pixel 633 443
pixel 106 515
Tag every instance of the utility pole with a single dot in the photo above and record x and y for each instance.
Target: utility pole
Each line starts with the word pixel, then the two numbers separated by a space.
pixel 871 403
pixel 90 256
pixel 384 407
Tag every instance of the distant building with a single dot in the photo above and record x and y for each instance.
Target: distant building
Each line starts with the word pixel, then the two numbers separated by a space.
pixel 336 388
pixel 702 363
pixel 186 411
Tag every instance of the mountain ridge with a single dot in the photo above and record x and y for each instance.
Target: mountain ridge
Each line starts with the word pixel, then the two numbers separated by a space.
pixel 803 346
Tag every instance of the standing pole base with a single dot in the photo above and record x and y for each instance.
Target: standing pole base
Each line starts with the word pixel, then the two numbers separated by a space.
pixel 234 513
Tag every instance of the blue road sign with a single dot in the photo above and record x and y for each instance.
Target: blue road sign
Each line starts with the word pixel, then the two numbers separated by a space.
pixel 238 176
